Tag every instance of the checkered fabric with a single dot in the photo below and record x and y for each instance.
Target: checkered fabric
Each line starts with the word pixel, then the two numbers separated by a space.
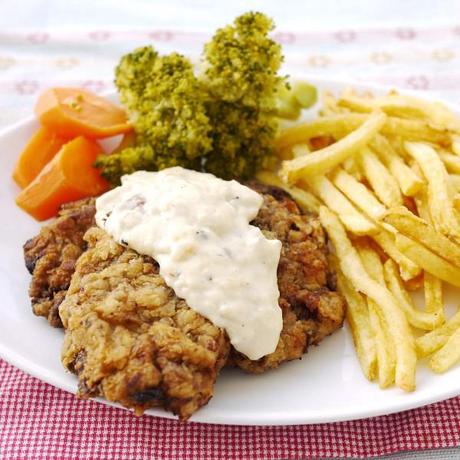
pixel 38 421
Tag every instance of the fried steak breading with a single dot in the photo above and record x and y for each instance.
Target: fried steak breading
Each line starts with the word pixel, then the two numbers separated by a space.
pixel 312 309
pixel 130 339
pixel 50 257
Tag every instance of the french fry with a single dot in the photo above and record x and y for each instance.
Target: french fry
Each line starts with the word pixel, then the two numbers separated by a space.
pixel 439 200
pixel 428 260
pixel 455 181
pixel 386 357
pixel 350 166
pixel 448 355
pixel 434 340
pixel 456 144
pixel 371 262
pixel 451 161
pixel 432 288
pixel 334 125
pixel 358 319
pixel 393 175
pixel 409 182
pixel 306 200
pixel 417 318
pixel 417 130
pixel 340 124
pixel 383 183
pixel 421 203
pixel 416 228
pixel 358 194
pixel 300 150
pixel 398 327
pixel 385 350
pixel 322 161
pixel 402 106
pixel 353 220
pixel 408 268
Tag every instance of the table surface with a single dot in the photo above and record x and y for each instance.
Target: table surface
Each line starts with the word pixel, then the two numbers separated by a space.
pixel 412 44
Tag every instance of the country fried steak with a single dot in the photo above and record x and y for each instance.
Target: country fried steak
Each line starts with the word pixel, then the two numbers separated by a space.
pixel 130 339
pixel 312 309
pixel 50 257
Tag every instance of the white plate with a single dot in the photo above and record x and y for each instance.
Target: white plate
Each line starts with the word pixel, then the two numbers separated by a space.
pixel 325 386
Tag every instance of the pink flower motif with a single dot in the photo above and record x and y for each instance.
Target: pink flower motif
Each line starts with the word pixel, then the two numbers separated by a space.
pixel 38 38
pixel 161 35
pixel 94 85
pixel 285 38
pixel 99 35
pixel 418 82
pixel 26 87
pixel 405 34
pixel 345 36
pixel 456 30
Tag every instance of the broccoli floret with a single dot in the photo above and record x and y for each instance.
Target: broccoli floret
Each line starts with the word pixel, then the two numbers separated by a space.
pixel 222 121
pixel 242 61
pixel 241 75
pixel 166 104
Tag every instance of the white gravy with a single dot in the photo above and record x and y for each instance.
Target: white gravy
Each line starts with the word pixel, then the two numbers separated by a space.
pixel 196 227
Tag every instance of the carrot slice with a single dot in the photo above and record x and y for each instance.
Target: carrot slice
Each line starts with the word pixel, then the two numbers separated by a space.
pixel 40 149
pixel 75 112
pixel 69 176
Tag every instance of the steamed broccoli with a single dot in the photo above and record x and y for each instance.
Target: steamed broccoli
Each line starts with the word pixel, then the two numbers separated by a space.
pixel 241 76
pixel 165 103
pixel 222 121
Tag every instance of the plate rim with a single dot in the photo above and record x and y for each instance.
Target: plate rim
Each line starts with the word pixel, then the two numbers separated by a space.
pixel 21 362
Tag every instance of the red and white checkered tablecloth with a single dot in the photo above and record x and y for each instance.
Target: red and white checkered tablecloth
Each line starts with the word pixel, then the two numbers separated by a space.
pixel 38 421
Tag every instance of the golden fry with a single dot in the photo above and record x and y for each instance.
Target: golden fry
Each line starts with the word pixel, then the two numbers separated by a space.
pixel 434 340
pixel 456 144
pixel 416 228
pixel 455 181
pixel 358 319
pixel 417 318
pixel 439 200
pixel 432 288
pixel 353 220
pixel 448 355
pixel 398 327
pixel 340 124
pixel 358 194
pixel 403 106
pixel 334 125
pixel 385 349
pixel 407 267
pixel 451 161
pixel 322 161
pixel 409 182
pixel 383 183
pixel 428 260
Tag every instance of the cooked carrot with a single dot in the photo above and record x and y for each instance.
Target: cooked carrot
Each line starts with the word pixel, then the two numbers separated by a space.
pixel 40 149
pixel 76 112
pixel 69 176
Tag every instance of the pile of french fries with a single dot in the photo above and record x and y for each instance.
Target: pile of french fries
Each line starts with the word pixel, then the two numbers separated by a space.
pixel 383 173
